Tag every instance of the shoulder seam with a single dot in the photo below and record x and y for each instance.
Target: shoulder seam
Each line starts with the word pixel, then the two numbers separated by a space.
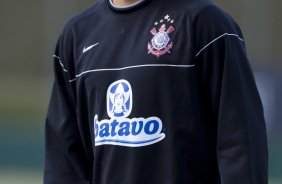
pixel 219 37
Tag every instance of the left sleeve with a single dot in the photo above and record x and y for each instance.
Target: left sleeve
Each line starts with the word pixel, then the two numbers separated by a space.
pixel 67 159
pixel 232 96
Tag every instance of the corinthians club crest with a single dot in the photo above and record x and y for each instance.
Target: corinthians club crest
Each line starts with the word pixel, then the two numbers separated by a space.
pixel 161 43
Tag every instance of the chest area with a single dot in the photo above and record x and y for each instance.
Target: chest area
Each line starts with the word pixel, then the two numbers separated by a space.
pixel 161 39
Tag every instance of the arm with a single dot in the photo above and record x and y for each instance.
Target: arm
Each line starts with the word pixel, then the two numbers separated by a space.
pixel 65 158
pixel 230 88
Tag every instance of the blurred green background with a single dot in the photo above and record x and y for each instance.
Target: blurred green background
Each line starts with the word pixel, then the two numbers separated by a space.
pixel 29 30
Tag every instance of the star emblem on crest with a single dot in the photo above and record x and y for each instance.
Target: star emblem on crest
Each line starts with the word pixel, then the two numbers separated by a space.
pixel 161 43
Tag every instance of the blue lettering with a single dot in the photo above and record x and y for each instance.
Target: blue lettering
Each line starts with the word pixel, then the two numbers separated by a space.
pixel 114 125
pixel 96 129
pixel 104 132
pixel 134 125
pixel 124 129
pixel 127 128
pixel 154 129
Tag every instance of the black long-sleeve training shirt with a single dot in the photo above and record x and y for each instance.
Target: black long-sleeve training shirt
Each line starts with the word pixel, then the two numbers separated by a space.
pixel 160 92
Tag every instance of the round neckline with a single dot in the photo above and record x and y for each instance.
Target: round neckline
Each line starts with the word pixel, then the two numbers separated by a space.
pixel 127 6
pixel 130 8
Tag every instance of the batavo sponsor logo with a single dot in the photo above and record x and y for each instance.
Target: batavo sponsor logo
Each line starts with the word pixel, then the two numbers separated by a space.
pixel 121 130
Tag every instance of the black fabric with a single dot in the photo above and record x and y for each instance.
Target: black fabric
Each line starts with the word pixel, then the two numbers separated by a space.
pixel 200 93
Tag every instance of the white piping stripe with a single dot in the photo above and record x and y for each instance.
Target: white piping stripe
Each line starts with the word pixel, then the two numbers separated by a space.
pixel 225 34
pixel 130 67
pixel 72 80
pixel 57 57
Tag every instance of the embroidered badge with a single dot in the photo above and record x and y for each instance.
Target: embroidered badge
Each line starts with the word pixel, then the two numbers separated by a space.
pixel 161 42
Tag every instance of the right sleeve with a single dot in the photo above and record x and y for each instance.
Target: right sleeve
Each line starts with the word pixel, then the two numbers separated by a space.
pixel 65 158
pixel 232 97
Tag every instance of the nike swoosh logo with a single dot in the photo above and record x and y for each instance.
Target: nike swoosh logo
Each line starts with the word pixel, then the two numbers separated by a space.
pixel 85 49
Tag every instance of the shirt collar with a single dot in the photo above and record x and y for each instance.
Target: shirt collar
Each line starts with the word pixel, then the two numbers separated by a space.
pixel 135 5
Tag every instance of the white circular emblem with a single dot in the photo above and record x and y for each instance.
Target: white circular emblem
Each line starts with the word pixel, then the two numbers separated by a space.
pixel 160 40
